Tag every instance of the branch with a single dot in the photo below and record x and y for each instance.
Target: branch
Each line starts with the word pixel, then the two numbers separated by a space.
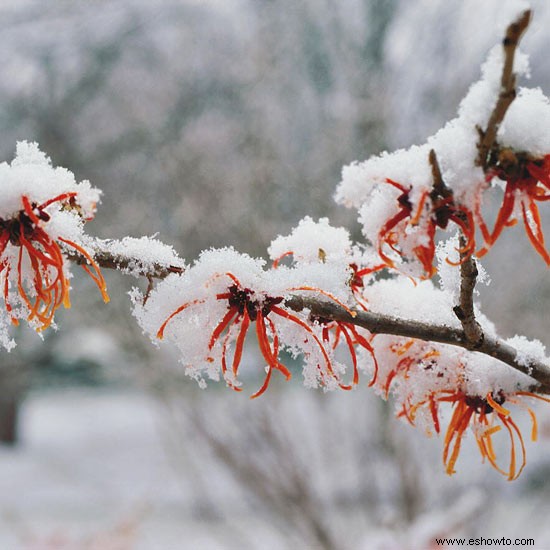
pixel 108 260
pixel 440 189
pixel 378 323
pixel 507 94
pixel 465 310
pixel 468 268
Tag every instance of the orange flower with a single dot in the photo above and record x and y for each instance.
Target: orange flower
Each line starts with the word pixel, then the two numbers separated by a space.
pixel 335 330
pixel 485 416
pixel 246 306
pixel 37 250
pixel 432 211
pixel 527 181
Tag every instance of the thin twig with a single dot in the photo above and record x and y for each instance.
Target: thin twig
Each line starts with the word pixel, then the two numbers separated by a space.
pixel 468 268
pixel 150 286
pixel 507 94
pixel 108 260
pixel 440 189
pixel 465 309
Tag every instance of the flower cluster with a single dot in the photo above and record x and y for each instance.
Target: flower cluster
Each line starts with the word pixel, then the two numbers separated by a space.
pixel 527 182
pixel 42 213
pixel 225 293
pixel 423 377
pixel 404 197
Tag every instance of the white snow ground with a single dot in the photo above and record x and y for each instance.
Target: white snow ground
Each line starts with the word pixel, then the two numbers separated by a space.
pixel 91 473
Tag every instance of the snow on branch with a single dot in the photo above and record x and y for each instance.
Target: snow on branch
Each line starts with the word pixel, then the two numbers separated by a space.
pixel 376 323
pixel 141 257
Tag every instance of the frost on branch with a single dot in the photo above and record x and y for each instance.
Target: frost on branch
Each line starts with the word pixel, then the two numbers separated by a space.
pixel 42 213
pixel 143 256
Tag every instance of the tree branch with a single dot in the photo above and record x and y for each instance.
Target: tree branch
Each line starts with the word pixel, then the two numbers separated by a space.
pixel 109 260
pixel 465 309
pixel 378 323
pixel 468 268
pixel 507 94
pixel 440 189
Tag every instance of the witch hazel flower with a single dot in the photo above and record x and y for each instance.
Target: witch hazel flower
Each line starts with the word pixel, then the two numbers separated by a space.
pixel 223 296
pixel 401 218
pixel 317 350
pixel 403 200
pixel 339 338
pixel 42 212
pixel 313 243
pixel 521 165
pixel 527 182
pixel 425 378
pixel 482 403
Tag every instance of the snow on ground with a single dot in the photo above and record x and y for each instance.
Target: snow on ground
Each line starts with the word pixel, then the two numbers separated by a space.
pixel 91 472
pixel 98 470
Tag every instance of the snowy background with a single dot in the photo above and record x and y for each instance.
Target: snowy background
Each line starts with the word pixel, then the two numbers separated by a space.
pixel 224 123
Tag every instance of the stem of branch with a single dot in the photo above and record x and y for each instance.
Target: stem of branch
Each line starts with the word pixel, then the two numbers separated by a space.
pixel 468 268
pixel 108 260
pixel 507 94
pixel 378 323
pixel 440 189
pixel 465 310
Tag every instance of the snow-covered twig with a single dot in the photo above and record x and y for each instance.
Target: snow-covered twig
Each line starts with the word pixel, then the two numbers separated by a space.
pixel 376 323
pixel 108 260
pixel 507 94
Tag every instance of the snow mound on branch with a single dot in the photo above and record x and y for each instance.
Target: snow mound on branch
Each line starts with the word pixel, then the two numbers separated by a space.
pixel 528 351
pixel 313 242
pixel 526 126
pixel 141 255
pixel 419 301
pixel 31 174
